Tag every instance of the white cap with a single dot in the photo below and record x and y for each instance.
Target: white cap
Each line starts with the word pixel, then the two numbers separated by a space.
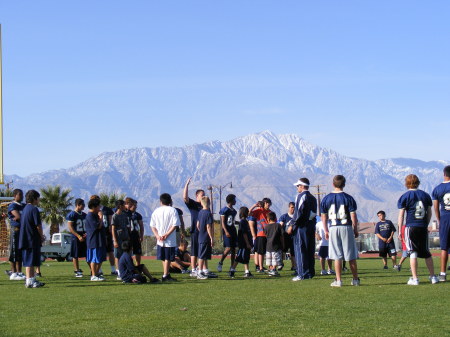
pixel 299 182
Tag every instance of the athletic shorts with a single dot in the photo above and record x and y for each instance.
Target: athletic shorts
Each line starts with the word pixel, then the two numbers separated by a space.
pixel 109 242
pixel 323 252
pixel 118 252
pixel 444 233
pixel 405 253
pixel 342 244
pixel 95 255
pixel 165 253
pixel 386 249
pixel 15 255
pixel 31 257
pixel 243 255
pixel 77 248
pixel 273 258
pixel 416 240
pixel 288 243
pixel 135 240
pixel 204 251
pixel 194 244
pixel 231 241
pixel 260 245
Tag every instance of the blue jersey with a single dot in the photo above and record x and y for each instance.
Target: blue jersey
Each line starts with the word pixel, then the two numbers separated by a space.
pixel 93 238
pixel 194 207
pixel 29 236
pixel 441 193
pixel 204 218
pixel 126 267
pixel 229 214
pixel 78 220
pixel 15 206
pixel 305 209
pixel 284 219
pixel 385 228
pixel 338 207
pixel 416 204
pixel 107 212
pixel 134 222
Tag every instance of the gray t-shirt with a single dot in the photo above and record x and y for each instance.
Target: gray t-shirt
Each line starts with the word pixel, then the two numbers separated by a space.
pixel 120 223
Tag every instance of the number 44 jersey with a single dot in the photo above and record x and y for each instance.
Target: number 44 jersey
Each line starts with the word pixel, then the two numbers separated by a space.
pixel 416 204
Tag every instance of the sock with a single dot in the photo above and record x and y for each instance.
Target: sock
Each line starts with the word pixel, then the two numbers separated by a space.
pixel 232 269
pixel 205 271
pixel 247 271
pixel 113 268
pixel 165 275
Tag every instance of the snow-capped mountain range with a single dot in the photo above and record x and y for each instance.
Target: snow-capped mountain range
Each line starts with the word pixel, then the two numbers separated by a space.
pixel 258 165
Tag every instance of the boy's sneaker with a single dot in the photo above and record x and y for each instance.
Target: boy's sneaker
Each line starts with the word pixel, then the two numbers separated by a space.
pixel 154 280
pixel 442 278
pixel 336 283
pixel 331 272
pixel 36 284
pixel 219 267
pixel 398 267
pixel 280 268
pixel 100 277
pixel 257 269
pixel 433 279
pixel 114 272
pixel 297 278
pixel 264 270
pixel 8 272
pixel 273 273
pixel 211 275
pixel 38 275
pixel 97 279
pixel 413 282
pixel 323 272
pixel 17 277
pixel 231 273
pixel 385 267
pixel 193 273
pixel 345 269
pixel 356 282
pixel 185 271
pixel 78 273
pixel 248 275
pixel 201 276
pixel 118 278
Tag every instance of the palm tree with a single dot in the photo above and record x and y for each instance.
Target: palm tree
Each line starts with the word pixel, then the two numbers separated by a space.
pixel 55 204
pixel 109 200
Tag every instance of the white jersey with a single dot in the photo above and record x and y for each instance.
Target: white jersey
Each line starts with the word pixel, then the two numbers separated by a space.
pixel 163 218
pixel 320 230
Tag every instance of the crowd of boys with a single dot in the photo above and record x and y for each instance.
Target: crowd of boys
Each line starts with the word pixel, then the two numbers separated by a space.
pixel 117 234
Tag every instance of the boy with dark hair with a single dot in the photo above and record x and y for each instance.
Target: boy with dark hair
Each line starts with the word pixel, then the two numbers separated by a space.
pixel 194 207
pixel 95 242
pixel 287 235
pixel 31 238
pixel 76 223
pixel 15 255
pixel 120 231
pixel 441 203
pixel 244 244
pixel 131 273
pixel 205 238
pixel 341 228
pixel 259 212
pixel 182 259
pixel 137 231
pixel 163 223
pixel 385 230
pixel 417 206
pixel 229 233
pixel 274 235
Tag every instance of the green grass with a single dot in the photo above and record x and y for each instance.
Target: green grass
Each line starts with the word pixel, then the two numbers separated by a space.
pixel 382 306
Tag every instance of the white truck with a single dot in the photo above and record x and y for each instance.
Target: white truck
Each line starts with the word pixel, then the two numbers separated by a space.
pixel 59 249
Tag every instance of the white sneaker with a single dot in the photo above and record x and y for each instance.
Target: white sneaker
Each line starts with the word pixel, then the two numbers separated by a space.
pixel 336 283
pixel 434 279
pixel 331 272
pixel 201 276
pixel 356 282
pixel 297 278
pixel 219 267
pixel 323 272
pixel 193 273
pixel 413 282
pixel 17 277
pixel 96 279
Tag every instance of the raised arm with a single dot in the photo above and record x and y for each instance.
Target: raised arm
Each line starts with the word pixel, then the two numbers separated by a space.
pixel 186 191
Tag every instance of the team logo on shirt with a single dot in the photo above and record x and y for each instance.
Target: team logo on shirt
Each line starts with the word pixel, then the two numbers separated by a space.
pixel 447 201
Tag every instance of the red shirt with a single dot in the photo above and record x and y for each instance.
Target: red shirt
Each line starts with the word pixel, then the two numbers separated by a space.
pixel 261 220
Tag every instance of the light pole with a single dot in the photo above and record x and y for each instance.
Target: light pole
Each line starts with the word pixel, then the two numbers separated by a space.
pixel 220 188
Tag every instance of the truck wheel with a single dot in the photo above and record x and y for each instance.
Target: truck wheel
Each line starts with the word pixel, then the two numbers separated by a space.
pixel 43 257
pixel 60 259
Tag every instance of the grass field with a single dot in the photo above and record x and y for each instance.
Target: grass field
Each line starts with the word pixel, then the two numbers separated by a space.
pixel 382 306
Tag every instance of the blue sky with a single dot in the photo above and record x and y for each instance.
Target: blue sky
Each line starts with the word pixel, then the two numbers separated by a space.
pixel 369 79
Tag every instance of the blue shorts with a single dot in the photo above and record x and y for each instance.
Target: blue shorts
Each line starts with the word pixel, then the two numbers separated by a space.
pixel 444 233
pixel 323 252
pixel 405 253
pixel 135 240
pixel 96 255
pixel 231 241
pixel 204 251
pixel 77 248
pixel 165 253
pixel 194 244
pixel 31 257
pixel 243 255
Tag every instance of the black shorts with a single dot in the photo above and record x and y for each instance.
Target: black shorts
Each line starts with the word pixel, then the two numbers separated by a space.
pixel 15 255
pixel 77 248
pixel 243 256
pixel 260 245
pixel 109 243
pixel 135 239
pixel 386 249
pixel 194 244
pixel 416 240
pixel 204 251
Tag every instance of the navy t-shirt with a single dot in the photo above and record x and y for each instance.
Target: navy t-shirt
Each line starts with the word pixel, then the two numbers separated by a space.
pixel 126 267
pixel 93 239
pixel 78 220
pixel 385 228
pixel 204 218
pixel 338 206
pixel 244 228
pixel 29 221
pixel 107 212
pixel 194 207
pixel 415 203
pixel 135 218
pixel 15 206
pixel 285 218
pixel 441 193
pixel 229 214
